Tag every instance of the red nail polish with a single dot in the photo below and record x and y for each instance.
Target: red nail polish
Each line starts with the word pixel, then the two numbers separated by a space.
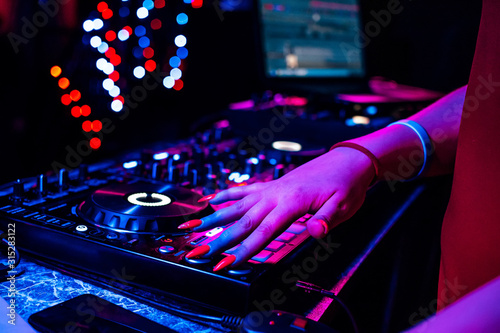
pixel 198 252
pixel 207 197
pixel 190 224
pixel 325 226
pixel 224 263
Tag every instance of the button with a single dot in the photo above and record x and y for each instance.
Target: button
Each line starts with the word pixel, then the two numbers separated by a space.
pixel 81 228
pixel 198 240
pixel 242 269
pixel 96 233
pixel 275 246
pixel 111 236
pixel 198 261
pixel 214 232
pixel 296 229
pixel 132 242
pixel 286 237
pixel 166 249
pixel 262 256
pixel 299 323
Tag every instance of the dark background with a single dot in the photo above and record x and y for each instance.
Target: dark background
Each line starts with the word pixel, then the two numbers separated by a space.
pixel 430 44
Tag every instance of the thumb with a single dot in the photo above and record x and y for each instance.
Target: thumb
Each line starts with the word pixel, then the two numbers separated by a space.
pixel 332 213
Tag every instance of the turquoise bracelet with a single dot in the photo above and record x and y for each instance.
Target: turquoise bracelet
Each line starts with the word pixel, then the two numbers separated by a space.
pixel 424 139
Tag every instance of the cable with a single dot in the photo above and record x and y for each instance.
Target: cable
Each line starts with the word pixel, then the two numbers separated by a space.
pixel 312 287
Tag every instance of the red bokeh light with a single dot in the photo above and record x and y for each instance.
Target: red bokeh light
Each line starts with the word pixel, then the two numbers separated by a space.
pixel 95 143
pixel 96 125
pixel 87 125
pixel 148 52
pixel 110 36
pixel 76 111
pixel 102 6
pixel 197 3
pixel 155 24
pixel 120 98
pixel 150 65
pixel 66 99
pixel 129 30
pixel 107 14
pixel 114 76
pixel 109 52
pixel 85 109
pixel 115 59
pixel 160 3
pixel 178 85
pixel 63 83
pixel 75 95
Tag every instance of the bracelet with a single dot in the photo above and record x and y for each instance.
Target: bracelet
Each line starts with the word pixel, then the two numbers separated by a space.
pixel 375 162
pixel 424 139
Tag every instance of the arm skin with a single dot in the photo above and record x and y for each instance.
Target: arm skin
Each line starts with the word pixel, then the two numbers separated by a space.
pixel 476 312
pixel 332 186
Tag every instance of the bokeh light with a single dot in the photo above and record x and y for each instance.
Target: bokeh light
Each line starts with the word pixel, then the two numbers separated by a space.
pixel 55 71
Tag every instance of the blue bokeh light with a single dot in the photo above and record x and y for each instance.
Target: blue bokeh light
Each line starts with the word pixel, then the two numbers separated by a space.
pixel 140 31
pixel 182 19
pixel 144 42
pixel 175 62
pixel 182 52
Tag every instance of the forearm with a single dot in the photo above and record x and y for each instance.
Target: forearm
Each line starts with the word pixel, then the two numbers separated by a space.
pixel 399 150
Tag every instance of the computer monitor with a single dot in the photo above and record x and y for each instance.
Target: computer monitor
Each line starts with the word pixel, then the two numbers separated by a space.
pixel 311 38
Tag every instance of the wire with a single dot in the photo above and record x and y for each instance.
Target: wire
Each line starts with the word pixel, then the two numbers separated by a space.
pixel 312 287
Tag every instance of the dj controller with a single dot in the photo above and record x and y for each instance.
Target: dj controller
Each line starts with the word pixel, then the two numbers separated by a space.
pixel 118 220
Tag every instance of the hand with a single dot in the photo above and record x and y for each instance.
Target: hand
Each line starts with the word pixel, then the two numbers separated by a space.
pixel 332 187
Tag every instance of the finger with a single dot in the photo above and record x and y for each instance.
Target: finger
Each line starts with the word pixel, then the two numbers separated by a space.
pixel 333 212
pixel 272 226
pixel 228 214
pixel 235 193
pixel 235 234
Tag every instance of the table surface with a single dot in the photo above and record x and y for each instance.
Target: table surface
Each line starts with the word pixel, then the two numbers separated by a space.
pixel 40 287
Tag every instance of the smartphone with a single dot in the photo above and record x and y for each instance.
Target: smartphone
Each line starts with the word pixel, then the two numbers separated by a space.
pixel 91 314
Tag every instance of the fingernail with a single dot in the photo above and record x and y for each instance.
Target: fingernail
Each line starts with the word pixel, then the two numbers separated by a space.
pixel 190 224
pixel 198 251
pixel 224 262
pixel 325 226
pixel 207 197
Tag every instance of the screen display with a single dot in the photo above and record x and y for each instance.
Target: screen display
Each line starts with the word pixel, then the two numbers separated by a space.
pixel 311 38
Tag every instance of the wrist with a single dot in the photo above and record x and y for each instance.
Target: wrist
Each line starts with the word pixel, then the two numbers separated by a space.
pixel 361 163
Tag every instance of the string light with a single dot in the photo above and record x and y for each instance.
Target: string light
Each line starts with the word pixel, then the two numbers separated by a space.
pixel 150 65
pixel 142 13
pixel 95 143
pixel 76 111
pixel 63 83
pixel 180 41
pixel 139 72
pixel 55 71
pixel 75 95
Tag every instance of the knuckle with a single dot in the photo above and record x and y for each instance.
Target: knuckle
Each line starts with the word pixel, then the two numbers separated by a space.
pixel 265 229
pixel 240 205
pixel 246 223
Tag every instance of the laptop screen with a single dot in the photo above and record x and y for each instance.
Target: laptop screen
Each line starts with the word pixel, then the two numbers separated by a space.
pixel 311 38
